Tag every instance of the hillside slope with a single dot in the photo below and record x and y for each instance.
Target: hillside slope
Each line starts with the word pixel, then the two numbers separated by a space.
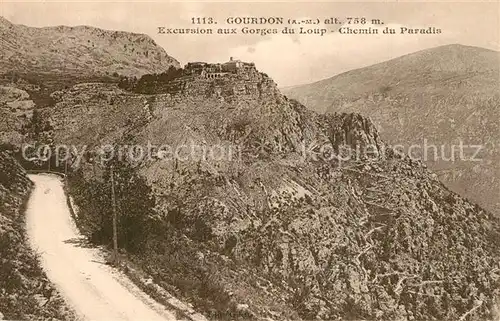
pixel 278 228
pixel 436 97
pixel 80 51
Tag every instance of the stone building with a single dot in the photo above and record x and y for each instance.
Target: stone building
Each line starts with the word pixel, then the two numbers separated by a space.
pixel 213 71
pixel 232 65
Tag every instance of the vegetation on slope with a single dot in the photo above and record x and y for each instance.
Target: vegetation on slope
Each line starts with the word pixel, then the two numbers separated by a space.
pixel 276 233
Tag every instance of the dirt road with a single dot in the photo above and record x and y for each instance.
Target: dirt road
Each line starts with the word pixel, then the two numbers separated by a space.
pixel 95 290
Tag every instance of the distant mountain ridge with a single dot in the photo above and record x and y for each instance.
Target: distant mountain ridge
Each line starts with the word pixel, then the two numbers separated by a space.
pixel 80 50
pixel 445 95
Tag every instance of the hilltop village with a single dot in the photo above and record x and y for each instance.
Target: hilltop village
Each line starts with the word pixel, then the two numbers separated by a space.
pixel 234 77
pixel 217 70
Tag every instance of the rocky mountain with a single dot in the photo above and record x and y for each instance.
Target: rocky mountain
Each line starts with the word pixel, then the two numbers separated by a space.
pixel 434 100
pixel 80 51
pixel 34 62
pixel 265 209
pixel 25 292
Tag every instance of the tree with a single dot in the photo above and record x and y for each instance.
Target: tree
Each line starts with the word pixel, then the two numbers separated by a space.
pixel 134 203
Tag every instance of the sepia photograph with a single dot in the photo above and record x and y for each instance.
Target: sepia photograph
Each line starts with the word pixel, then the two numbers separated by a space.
pixel 250 160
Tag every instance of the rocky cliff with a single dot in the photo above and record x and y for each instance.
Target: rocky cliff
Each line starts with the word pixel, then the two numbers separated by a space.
pixel 25 292
pixel 81 51
pixel 266 209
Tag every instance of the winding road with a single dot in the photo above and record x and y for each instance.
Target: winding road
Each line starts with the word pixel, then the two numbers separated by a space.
pixel 95 291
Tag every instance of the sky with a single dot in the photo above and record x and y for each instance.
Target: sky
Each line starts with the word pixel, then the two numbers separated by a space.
pixel 288 59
